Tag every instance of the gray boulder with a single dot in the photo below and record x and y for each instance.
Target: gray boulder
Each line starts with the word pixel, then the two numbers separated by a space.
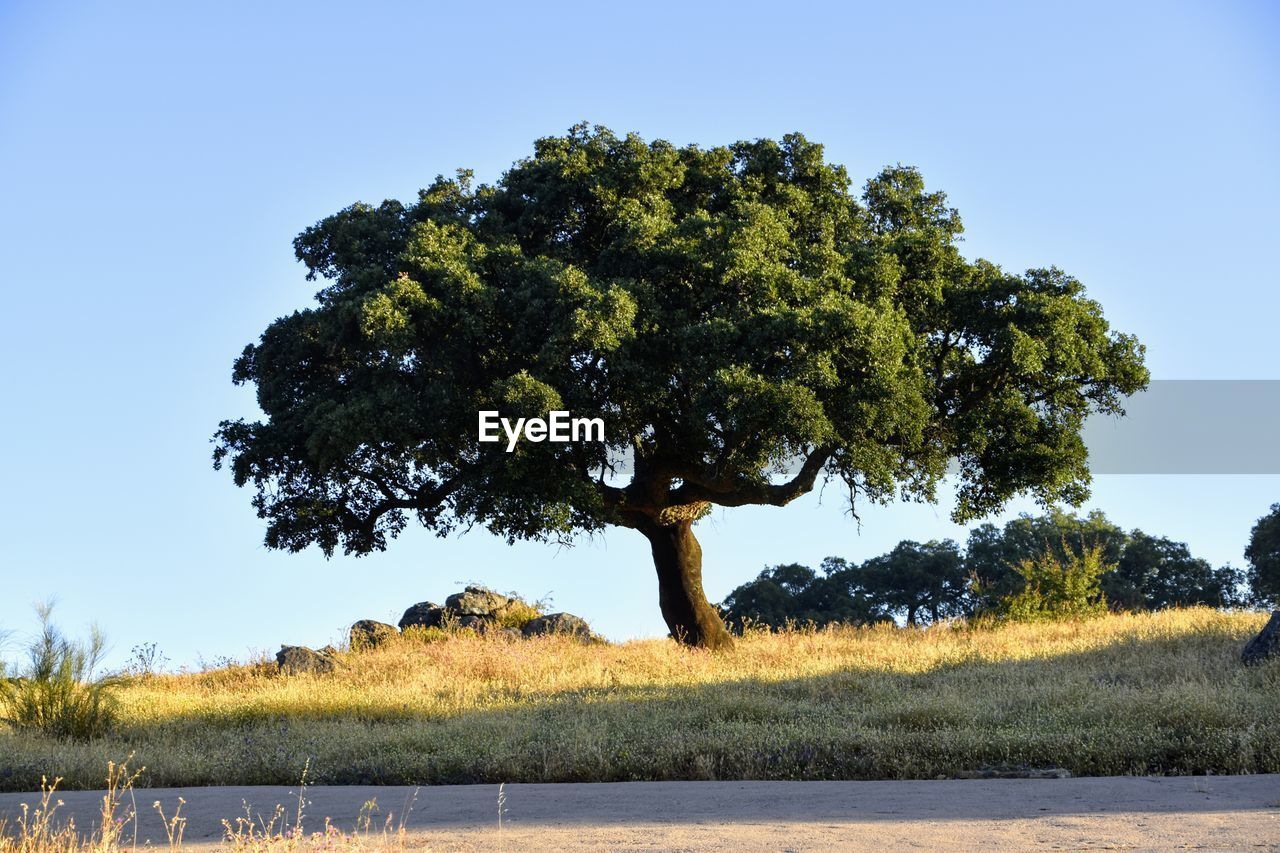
pixel 424 614
pixel 368 633
pixel 1265 646
pixel 296 660
pixel 479 624
pixel 558 623
pixel 477 601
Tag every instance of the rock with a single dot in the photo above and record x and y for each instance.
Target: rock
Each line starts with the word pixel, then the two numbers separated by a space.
pixel 509 633
pixel 558 623
pixel 296 660
pixel 424 614
pixel 477 601
pixel 368 633
pixel 479 624
pixel 1265 646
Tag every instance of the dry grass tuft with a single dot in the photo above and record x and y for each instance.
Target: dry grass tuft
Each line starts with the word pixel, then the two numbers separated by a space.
pixel 40 830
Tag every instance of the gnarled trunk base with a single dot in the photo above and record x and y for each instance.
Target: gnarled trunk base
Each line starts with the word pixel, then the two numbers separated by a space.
pixel 678 558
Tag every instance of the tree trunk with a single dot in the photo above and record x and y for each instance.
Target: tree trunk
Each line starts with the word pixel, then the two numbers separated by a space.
pixel 678 558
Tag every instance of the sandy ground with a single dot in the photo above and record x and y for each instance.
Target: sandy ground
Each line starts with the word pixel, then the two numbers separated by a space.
pixel 1145 813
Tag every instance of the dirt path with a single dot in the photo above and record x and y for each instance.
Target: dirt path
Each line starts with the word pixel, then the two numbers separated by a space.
pixel 1219 812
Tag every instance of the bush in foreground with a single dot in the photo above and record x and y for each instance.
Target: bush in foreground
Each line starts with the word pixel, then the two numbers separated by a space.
pixel 56 693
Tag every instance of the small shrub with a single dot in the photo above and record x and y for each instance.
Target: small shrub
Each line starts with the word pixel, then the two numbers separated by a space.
pixel 146 660
pixel 518 613
pixel 1056 588
pixel 56 693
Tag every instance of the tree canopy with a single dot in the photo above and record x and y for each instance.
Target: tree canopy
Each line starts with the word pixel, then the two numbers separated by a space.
pixel 740 319
pixel 1263 554
pixel 919 583
pixel 912 581
pixel 795 594
pixel 1150 572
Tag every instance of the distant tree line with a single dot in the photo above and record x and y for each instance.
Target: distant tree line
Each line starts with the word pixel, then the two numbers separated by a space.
pixel 920 583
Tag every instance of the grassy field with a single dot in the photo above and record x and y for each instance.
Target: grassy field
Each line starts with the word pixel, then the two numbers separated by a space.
pixel 1156 693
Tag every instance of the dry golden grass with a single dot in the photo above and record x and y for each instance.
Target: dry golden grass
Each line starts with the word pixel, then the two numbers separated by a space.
pixel 1151 693
pixel 42 829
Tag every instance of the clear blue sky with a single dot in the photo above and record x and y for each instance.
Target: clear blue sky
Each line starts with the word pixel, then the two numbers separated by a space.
pixel 157 159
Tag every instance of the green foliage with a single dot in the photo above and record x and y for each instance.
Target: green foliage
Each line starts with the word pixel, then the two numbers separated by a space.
pixel 1059 588
pixel 914 582
pixel 918 583
pixel 725 310
pixel 1155 572
pixel 796 595
pixel 993 554
pixel 1263 554
pixel 56 693
pixel 1150 572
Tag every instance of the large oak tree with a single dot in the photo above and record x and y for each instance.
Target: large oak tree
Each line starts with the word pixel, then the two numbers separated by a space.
pixel 744 324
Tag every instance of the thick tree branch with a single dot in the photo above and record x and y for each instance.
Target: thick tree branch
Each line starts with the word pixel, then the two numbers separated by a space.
pixel 423 500
pixel 763 493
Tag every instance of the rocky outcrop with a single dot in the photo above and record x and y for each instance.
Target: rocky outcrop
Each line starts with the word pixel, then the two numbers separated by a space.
pixel 424 614
pixel 558 623
pixel 299 660
pixel 478 601
pixel 1265 646
pixel 476 608
pixel 368 633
